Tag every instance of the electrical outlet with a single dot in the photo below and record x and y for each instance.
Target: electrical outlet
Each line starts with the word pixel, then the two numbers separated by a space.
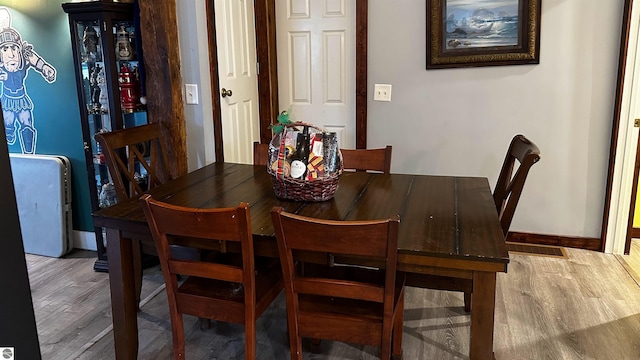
pixel 191 93
pixel 382 92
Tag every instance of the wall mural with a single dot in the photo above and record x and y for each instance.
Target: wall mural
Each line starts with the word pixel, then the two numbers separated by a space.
pixel 16 58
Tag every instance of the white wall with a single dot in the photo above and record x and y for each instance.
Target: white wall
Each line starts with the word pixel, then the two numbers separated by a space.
pixel 460 121
pixel 194 60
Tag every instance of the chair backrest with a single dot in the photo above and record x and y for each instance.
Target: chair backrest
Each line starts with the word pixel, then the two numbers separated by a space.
pixel 132 150
pixel 260 154
pixel 169 222
pixel 367 159
pixel 343 240
pixel 508 189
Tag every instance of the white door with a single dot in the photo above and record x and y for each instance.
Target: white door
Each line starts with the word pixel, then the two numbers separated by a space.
pixel 316 63
pixel 235 36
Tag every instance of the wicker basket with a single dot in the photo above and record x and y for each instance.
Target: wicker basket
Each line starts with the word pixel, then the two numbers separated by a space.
pixel 285 187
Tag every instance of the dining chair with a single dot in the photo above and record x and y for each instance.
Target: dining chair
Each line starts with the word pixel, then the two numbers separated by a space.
pixel 236 289
pixel 510 183
pixel 132 155
pixel 356 296
pixel 260 154
pixel 521 155
pixel 367 159
pixel 137 162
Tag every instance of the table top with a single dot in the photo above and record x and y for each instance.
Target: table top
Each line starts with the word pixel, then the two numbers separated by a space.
pixel 443 219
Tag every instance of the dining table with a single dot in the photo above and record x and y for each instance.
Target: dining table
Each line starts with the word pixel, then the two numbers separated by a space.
pixel 449 233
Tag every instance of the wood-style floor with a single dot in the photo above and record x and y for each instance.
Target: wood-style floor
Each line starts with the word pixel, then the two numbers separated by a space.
pixel 583 307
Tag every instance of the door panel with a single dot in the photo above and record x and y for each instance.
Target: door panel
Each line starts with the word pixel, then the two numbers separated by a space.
pixel 316 63
pixel 235 36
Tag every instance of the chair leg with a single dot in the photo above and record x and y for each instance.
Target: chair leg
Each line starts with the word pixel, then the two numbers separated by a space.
pixel 467 301
pixel 137 268
pixel 295 342
pixel 177 330
pixel 250 340
pixel 398 327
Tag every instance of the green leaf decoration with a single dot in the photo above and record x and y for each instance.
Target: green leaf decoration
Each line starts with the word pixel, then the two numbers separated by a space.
pixel 283 120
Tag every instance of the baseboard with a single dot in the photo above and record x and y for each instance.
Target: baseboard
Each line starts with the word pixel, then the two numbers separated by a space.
pixel 635 232
pixel 565 241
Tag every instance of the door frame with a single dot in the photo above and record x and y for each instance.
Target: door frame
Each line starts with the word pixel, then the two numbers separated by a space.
pixel 622 178
pixel 265 25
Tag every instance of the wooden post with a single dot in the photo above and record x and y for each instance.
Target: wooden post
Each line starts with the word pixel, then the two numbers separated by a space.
pixel 159 30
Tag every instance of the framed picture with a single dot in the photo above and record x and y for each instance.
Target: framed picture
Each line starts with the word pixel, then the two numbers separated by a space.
pixel 465 33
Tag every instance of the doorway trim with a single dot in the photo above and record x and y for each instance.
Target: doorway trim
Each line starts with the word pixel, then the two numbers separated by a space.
pixel 622 173
pixel 265 24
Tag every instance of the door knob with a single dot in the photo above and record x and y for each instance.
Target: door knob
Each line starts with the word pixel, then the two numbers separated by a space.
pixel 226 92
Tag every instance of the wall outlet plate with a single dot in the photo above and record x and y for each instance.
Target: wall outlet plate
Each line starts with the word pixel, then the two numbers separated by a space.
pixel 382 92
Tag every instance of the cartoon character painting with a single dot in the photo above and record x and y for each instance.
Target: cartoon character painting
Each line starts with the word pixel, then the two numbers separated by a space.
pixel 16 58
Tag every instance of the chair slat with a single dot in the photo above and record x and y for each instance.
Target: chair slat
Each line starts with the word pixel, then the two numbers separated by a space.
pixel 342 288
pixel 206 270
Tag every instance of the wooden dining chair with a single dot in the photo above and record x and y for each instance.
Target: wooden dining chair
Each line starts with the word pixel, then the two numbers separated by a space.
pixel 260 154
pixel 521 155
pixel 129 153
pixel 342 300
pixel 236 289
pixel 367 159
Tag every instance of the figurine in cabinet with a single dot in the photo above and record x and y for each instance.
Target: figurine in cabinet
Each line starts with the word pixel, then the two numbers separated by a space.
pixel 16 57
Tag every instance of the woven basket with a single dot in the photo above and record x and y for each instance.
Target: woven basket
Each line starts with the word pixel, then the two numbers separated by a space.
pixel 320 189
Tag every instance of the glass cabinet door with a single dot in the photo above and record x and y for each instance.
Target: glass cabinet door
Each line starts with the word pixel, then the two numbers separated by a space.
pixel 108 82
pixel 96 96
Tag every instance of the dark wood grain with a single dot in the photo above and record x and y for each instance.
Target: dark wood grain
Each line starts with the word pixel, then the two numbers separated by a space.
pixel 265 13
pixel 211 288
pixel 566 241
pixel 362 24
pixel 356 305
pixel 367 159
pixel 449 225
pixel 164 80
pixel 447 217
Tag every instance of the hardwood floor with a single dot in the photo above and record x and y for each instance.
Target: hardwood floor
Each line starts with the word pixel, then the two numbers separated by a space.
pixel 583 307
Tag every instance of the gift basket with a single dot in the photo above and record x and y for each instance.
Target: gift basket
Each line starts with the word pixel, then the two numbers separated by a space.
pixel 304 162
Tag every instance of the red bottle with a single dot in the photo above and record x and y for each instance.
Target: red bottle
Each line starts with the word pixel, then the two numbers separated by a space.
pixel 128 95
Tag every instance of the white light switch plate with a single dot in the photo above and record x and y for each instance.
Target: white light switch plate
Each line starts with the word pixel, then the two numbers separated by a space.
pixel 191 93
pixel 382 92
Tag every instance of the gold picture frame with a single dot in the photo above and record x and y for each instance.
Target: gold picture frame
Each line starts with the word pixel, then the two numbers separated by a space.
pixel 463 33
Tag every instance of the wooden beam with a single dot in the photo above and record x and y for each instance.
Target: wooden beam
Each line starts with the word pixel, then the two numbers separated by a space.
pixel 159 30
pixel 362 20
pixel 265 11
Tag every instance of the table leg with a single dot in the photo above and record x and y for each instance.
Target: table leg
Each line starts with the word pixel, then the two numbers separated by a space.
pixel 482 315
pixel 124 305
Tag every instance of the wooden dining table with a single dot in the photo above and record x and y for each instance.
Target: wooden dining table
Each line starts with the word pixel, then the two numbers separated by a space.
pixel 449 229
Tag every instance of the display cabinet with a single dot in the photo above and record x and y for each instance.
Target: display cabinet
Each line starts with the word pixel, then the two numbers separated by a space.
pixel 107 76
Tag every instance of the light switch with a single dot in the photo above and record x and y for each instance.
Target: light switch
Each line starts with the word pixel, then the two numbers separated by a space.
pixel 191 93
pixel 382 92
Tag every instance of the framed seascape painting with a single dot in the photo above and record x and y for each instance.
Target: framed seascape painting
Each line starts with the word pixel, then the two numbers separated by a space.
pixel 465 33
